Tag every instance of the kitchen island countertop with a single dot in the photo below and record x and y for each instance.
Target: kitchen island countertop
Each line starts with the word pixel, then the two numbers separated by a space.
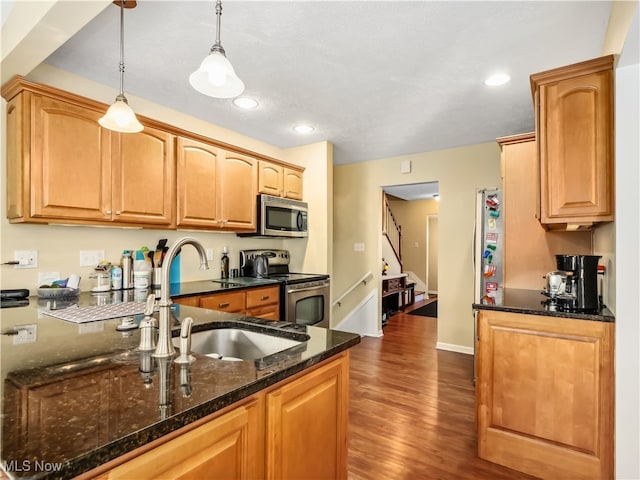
pixel 81 394
pixel 533 302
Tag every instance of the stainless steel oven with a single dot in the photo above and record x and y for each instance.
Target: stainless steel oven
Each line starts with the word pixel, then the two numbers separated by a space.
pixel 304 297
pixel 307 303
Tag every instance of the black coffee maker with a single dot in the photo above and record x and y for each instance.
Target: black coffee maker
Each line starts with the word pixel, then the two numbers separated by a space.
pixel 581 292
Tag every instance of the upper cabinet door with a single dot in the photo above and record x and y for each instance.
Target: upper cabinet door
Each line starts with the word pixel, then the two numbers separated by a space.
pixel 196 179
pixel 143 175
pixel 575 126
pixel 292 184
pixel 279 181
pixel 238 187
pixel 70 162
pixel 270 179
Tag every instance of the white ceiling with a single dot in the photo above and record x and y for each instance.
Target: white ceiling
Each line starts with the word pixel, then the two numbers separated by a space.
pixel 377 79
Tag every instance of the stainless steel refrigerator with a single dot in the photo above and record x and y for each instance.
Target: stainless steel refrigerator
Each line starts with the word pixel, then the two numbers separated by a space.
pixel 488 246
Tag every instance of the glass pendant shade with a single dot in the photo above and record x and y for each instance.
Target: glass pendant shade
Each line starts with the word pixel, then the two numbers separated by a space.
pixel 216 77
pixel 120 117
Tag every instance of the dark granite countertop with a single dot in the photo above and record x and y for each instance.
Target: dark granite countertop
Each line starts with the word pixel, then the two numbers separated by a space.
pixel 82 394
pixel 534 302
pixel 204 287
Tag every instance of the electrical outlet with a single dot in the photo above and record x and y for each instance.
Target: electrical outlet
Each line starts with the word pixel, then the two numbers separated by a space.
pixel 358 247
pixel 209 254
pixel 26 334
pixel 26 258
pixel 91 258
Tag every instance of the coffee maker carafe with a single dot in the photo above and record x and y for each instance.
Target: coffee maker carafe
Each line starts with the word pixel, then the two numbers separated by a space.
pixel 581 292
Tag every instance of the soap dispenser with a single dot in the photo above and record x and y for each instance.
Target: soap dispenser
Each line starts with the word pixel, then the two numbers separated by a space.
pixel 224 263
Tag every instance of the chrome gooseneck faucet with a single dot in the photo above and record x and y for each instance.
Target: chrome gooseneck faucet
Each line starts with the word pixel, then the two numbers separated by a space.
pixel 164 347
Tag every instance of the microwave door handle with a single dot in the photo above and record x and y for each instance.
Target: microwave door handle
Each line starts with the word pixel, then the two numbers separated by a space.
pixel 299 221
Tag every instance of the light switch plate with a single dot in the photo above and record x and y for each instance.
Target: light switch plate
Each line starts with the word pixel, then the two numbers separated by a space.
pixel 358 247
pixel 91 258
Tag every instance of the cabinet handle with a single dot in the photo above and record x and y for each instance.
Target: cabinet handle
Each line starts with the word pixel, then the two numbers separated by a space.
pixel 108 212
pixel 117 212
pixel 264 297
pixel 223 305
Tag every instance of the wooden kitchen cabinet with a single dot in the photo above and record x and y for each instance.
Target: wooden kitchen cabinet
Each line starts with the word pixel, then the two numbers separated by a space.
pixel 52 413
pixel 529 249
pixel 545 394
pixel 261 302
pixel 143 178
pixel 62 167
pixel 224 302
pixel 307 425
pixel 296 429
pixel 574 118
pixel 279 181
pixel 230 446
pixel 216 188
pixel 65 167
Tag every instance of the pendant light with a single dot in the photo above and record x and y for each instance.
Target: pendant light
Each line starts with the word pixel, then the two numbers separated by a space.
pixel 120 117
pixel 216 76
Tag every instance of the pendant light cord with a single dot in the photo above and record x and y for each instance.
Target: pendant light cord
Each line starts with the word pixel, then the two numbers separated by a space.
pixel 122 2
pixel 217 47
pixel 218 17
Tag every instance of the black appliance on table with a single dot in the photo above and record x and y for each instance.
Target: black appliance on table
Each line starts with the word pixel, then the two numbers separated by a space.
pixel 304 297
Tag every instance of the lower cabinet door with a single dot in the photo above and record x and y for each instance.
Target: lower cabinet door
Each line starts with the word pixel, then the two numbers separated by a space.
pixel 545 394
pixel 307 425
pixel 228 447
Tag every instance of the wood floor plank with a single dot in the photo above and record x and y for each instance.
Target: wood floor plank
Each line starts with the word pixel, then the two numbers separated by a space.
pixel 412 408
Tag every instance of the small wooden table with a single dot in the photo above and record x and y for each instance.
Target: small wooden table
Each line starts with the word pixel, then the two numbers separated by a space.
pixel 393 295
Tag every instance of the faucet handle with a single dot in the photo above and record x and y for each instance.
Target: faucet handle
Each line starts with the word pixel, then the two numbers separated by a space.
pixel 150 305
pixel 185 342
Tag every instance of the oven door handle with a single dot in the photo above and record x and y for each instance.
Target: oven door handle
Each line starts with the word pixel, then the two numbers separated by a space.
pixel 308 289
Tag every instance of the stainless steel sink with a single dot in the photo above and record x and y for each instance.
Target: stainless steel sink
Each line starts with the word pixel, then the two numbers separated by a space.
pixel 237 344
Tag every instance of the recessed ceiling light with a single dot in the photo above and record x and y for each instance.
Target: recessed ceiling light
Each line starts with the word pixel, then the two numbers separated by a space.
pixel 497 79
pixel 245 103
pixel 303 129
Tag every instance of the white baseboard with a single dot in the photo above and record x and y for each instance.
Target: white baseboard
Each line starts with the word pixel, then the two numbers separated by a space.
pixel 454 348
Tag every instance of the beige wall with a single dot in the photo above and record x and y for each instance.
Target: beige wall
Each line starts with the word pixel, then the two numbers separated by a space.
pixel 58 247
pixel 357 219
pixel 315 253
pixel 412 216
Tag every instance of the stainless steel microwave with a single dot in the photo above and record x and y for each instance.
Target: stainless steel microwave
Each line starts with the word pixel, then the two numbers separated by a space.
pixel 280 217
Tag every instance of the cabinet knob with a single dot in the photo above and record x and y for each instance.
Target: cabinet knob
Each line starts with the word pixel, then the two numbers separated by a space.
pixel 108 212
pixel 264 297
pixel 223 305
pixel 117 212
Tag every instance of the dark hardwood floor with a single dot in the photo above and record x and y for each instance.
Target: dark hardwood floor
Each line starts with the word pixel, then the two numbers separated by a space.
pixel 412 408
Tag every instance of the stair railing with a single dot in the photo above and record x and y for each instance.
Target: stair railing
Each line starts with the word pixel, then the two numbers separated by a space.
pixel 362 281
pixel 392 230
